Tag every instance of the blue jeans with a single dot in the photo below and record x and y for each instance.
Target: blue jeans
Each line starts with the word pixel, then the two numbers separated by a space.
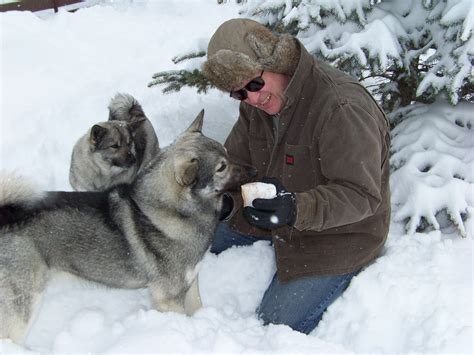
pixel 299 304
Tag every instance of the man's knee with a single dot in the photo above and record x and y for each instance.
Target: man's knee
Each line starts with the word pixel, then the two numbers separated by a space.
pixel 300 304
pixel 300 321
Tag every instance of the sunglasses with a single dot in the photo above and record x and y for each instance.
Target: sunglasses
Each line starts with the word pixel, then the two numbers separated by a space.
pixel 254 85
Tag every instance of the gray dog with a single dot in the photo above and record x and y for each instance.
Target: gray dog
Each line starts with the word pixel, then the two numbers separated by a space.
pixel 152 233
pixel 113 152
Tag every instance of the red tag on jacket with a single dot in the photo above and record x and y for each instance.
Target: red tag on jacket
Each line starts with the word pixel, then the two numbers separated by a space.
pixel 290 160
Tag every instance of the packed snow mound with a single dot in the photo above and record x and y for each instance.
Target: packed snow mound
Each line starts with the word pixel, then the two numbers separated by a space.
pixel 433 168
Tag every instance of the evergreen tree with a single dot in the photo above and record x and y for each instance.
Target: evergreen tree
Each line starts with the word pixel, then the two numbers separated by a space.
pixel 404 51
pixel 176 79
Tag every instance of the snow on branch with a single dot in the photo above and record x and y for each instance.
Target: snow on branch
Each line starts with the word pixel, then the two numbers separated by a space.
pixel 432 160
pixel 403 51
pixel 424 47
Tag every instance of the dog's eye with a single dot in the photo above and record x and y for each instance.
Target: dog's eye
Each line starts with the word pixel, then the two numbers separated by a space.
pixel 222 168
pixel 115 146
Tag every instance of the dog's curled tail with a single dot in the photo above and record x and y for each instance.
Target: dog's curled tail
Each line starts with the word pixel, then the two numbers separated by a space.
pixel 15 190
pixel 124 107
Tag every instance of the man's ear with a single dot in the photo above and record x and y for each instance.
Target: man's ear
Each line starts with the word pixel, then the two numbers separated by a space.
pixel 97 134
pixel 185 170
pixel 196 126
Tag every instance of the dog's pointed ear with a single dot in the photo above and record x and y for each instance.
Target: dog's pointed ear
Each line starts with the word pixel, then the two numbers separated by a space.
pixel 97 134
pixel 196 126
pixel 185 170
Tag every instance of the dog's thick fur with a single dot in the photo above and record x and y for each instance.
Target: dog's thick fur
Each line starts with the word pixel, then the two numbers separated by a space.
pixel 124 107
pixel 152 233
pixel 113 152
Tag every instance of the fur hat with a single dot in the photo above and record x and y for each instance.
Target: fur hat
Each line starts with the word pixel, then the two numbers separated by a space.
pixel 241 48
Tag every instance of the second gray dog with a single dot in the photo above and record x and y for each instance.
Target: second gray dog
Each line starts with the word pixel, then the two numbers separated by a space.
pixel 113 152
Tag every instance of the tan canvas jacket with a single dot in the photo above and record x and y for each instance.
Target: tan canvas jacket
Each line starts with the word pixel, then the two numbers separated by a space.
pixel 332 150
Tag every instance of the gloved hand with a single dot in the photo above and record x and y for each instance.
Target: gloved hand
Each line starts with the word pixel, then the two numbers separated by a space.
pixel 272 213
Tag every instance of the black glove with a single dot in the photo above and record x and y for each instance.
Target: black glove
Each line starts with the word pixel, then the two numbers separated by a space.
pixel 227 206
pixel 272 213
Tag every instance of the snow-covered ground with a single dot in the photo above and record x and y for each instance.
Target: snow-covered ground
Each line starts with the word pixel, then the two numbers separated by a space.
pixel 58 74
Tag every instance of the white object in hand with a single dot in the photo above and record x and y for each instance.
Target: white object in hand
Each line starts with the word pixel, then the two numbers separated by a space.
pixel 254 190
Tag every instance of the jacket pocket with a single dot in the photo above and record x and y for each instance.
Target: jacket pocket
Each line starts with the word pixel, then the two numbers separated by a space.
pixel 299 173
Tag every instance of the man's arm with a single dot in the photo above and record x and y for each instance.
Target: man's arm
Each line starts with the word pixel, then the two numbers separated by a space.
pixel 351 147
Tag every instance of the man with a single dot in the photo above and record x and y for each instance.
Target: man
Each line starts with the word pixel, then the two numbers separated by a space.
pixel 322 140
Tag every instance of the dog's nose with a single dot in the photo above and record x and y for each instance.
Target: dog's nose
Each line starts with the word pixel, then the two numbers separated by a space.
pixel 130 160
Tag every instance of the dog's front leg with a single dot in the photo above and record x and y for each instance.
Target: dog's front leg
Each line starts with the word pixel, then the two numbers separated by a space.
pixel 192 299
pixel 166 302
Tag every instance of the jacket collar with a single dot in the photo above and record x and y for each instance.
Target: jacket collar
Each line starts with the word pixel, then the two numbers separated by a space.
pixel 295 86
pixel 294 91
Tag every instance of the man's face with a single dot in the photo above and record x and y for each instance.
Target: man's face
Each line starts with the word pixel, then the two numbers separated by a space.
pixel 270 98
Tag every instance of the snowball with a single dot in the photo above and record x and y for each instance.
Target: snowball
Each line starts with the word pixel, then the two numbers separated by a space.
pixel 255 190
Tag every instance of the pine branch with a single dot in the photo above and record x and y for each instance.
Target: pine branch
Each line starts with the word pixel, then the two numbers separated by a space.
pixel 177 79
pixel 192 55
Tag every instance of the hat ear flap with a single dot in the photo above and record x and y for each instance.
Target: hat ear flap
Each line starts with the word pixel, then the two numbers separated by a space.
pixel 228 70
pixel 285 56
pixel 185 170
pixel 262 42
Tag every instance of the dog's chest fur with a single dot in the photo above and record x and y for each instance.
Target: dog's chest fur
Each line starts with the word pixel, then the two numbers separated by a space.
pixel 164 249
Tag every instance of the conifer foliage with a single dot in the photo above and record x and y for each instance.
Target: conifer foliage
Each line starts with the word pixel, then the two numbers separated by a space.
pixel 403 51
pixel 406 51
pixel 176 79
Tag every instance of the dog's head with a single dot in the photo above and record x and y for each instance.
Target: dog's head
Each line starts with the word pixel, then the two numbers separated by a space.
pixel 199 171
pixel 113 142
pixel 203 164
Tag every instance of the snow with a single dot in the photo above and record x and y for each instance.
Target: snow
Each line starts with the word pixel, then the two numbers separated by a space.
pixel 384 38
pixel 391 308
pixel 58 74
pixel 433 156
